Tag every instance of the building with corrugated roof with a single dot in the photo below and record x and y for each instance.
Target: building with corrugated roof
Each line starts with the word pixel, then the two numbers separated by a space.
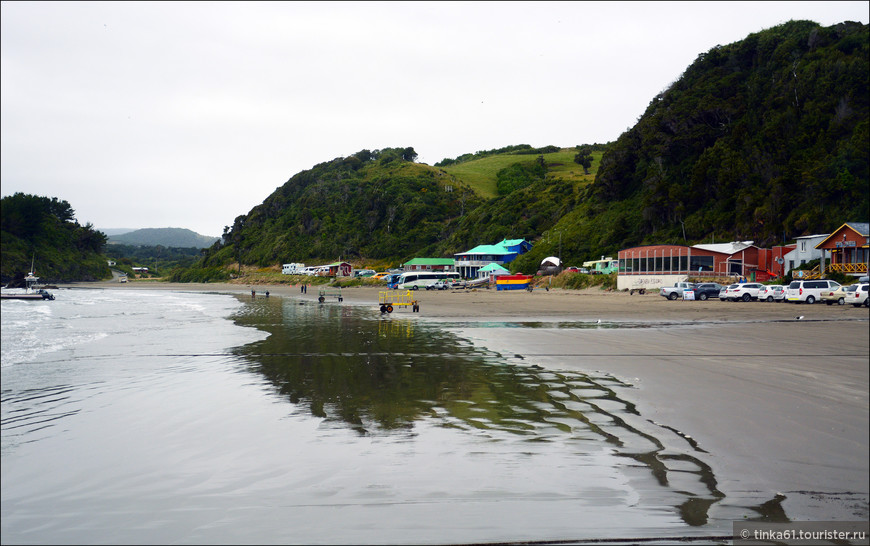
pixel 849 247
pixel 468 263
pixel 429 264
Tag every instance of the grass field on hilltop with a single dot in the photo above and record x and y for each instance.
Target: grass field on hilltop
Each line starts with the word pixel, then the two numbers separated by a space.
pixel 480 174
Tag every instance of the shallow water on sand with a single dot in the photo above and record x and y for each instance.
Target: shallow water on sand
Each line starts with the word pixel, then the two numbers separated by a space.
pixel 138 416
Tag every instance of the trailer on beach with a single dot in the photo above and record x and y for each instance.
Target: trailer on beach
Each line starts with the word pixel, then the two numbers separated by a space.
pixel 388 300
pixel 326 293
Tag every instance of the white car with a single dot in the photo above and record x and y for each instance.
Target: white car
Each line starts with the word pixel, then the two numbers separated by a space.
pixel 771 293
pixel 440 284
pixel 859 296
pixel 809 291
pixel 743 291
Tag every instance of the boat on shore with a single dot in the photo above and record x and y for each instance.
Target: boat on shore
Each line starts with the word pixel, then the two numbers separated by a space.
pixel 31 291
pixel 513 282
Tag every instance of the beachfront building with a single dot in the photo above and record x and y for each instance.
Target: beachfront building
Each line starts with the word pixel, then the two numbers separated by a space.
pixel 491 271
pixel 849 248
pixel 469 263
pixel 339 269
pixel 653 266
pixel 520 246
pixel 429 264
pixel 804 251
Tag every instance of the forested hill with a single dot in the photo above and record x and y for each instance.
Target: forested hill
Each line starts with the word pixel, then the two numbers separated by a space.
pixel 760 139
pixel 43 232
pixel 371 204
pixel 765 139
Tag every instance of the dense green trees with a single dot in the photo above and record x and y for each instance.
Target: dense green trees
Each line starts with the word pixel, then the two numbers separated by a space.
pixel 761 139
pixel 372 204
pixel 43 230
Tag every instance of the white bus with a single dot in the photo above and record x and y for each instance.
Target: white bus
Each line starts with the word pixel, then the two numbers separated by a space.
pixel 412 280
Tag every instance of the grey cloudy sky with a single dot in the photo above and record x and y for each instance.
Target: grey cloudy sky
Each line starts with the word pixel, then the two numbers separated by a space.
pixel 187 115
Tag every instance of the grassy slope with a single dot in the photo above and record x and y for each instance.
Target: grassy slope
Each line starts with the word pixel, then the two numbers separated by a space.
pixel 480 174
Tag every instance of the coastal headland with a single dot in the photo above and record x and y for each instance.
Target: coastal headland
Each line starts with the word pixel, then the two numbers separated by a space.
pixel 775 395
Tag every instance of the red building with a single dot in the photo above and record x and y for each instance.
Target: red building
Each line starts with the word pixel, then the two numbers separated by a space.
pixel 339 269
pixel 849 248
pixel 657 265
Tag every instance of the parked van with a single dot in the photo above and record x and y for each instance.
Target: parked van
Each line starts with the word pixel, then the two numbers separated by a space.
pixel 809 291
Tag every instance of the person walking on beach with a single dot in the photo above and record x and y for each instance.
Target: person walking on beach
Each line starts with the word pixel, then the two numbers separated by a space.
pixel 253 294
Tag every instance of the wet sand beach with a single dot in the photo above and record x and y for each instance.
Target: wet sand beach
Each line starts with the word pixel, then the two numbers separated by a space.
pixel 778 405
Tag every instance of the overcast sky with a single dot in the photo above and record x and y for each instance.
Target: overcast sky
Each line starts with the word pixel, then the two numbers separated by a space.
pixel 189 114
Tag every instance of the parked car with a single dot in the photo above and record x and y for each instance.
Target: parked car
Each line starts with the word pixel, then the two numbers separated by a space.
pixel 572 270
pixel 676 291
pixel 838 296
pixel 723 294
pixel 859 296
pixel 380 275
pixel 706 290
pixel 440 284
pixel 809 291
pixel 743 291
pixel 771 293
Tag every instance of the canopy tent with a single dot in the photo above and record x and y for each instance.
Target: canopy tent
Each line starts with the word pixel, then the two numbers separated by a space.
pixel 552 261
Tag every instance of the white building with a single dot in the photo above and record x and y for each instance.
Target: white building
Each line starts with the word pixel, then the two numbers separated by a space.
pixel 805 251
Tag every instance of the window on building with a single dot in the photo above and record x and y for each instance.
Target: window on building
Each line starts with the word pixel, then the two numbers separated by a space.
pixel 701 263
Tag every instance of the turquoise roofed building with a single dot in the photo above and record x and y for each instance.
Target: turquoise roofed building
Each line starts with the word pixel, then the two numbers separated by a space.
pixel 469 263
pixel 492 270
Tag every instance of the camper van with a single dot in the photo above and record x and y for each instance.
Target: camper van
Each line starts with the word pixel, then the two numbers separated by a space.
pixel 292 269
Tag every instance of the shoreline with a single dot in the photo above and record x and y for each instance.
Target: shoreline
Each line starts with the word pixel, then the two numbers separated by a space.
pixel 588 304
pixel 775 405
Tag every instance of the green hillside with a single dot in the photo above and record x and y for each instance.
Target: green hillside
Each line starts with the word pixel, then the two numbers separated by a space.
pixel 43 231
pixel 370 205
pixel 482 174
pixel 763 140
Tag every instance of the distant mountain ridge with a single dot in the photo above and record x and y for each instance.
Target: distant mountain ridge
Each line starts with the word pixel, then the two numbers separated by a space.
pixel 168 237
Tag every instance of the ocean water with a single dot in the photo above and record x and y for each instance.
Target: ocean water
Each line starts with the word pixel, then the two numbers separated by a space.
pixel 136 416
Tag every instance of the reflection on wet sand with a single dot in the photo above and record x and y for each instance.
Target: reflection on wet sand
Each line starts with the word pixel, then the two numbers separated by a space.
pixel 377 373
